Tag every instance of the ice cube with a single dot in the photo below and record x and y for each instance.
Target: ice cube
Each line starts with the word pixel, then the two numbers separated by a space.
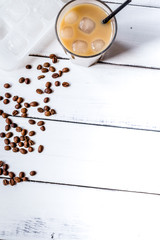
pixel 80 47
pixel 71 17
pixel 67 32
pixel 87 25
pixel 98 45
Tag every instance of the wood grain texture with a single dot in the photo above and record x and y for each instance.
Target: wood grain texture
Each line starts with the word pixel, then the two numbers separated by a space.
pixel 38 211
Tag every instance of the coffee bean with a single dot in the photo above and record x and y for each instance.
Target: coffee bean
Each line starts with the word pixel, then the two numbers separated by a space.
pixel 26 138
pixel 21 174
pixel 40 110
pixel 8 121
pixel 5 172
pixel 7 85
pixel 40 148
pixel 1 163
pixel 24 179
pixel 31 142
pixel 46 100
pixel 53 112
pixel 43 128
pixel 46 64
pixel 23 110
pixel 5 166
pixel 18 129
pixel 30 149
pixel 2 134
pixel 15 112
pixel 9 135
pixel 51 56
pixel 23 151
pixel 4 115
pixel 7 128
pixel 44 70
pixel 18 105
pixel 20 144
pixel 65 70
pixel 27 81
pixel 1 171
pixel 24 115
pixel 20 100
pixel 60 73
pixel 48 90
pixel 21 80
pixel 17 179
pixel 13 144
pixel 1 111
pixel 22 138
pixel 32 133
pixel 15 149
pixel 54 59
pixel 34 104
pixel 48 84
pixel 32 173
pixel 13 125
pixel 24 132
pixel 11 174
pixel 7 148
pixel 8 95
pixel 47 114
pixel 12 182
pixel 40 123
pixel 32 122
pixel 39 91
pixel 52 69
pixel 39 67
pixel 16 139
pixel 28 66
pixel 55 75
pixel 5 182
pixel 40 77
pixel 7 141
pixel 1 98
pixel 26 144
pixel 65 84
pixel 15 98
pixel 6 101
pixel 27 105
pixel 57 83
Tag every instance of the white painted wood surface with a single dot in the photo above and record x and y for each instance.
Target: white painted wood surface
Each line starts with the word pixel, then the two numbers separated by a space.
pixel 150 3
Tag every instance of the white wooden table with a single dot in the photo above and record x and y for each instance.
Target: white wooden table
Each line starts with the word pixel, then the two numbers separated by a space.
pixel 99 175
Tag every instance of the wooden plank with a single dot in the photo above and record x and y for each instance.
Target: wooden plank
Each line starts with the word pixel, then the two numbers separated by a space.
pixel 102 94
pixel 91 156
pixel 40 211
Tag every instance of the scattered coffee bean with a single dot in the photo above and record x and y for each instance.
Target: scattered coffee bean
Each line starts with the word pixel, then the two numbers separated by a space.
pixel 16 139
pixel 55 75
pixel 1 111
pixel 12 182
pixel 2 134
pixel 26 144
pixel 39 91
pixel 52 69
pixel 65 70
pixel 22 138
pixel 20 144
pixel 1 98
pixel 15 112
pixel 40 123
pixel 5 172
pixel 32 122
pixel 7 128
pixel 53 112
pixel 28 66
pixel 7 85
pixel 24 132
pixel 24 115
pixel 40 148
pixel 24 179
pixel 40 110
pixel 9 135
pixel 18 106
pixel 27 81
pixel 8 95
pixel 15 98
pixel 18 129
pixel 46 64
pixel 48 84
pixel 31 142
pixel 39 67
pixel 54 59
pixel 1 163
pixel 21 80
pixel 43 128
pixel 26 138
pixel 1 171
pixel 46 108
pixel 32 133
pixel 44 70
pixel 21 174
pixel 17 179
pixel 57 83
pixel 34 104
pixel 48 90
pixel 20 100
pixel 15 149
pixel 13 125
pixel 47 114
pixel 65 84
pixel 5 182
pixel 11 174
pixel 60 73
pixel 40 77
pixel 32 173
pixel 8 121
pixel 23 110
pixel 7 148
pixel 4 115
pixel 23 151
pixel 27 105
pixel 13 144
pixel 30 149
pixel 5 166
pixel 46 100
pixel 51 56
pixel 7 141
pixel 6 101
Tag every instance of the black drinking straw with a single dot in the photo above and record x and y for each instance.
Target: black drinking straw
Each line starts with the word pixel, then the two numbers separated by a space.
pixel 116 11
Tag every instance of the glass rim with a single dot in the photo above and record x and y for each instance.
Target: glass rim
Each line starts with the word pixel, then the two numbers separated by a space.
pixel 91 56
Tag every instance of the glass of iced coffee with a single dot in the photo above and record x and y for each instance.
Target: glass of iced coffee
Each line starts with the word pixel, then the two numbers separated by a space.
pixel 80 31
